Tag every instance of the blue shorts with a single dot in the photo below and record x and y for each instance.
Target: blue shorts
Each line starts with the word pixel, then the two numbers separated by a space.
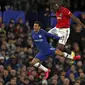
pixel 43 56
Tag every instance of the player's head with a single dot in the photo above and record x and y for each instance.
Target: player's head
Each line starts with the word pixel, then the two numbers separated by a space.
pixel 37 26
pixel 55 7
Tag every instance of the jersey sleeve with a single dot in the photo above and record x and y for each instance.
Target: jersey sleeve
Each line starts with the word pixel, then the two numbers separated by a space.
pixel 67 12
pixel 50 35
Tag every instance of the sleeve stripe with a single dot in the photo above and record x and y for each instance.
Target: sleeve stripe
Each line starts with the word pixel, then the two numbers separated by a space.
pixel 69 13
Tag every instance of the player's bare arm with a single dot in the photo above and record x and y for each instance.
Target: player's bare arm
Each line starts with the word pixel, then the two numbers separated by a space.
pixel 77 20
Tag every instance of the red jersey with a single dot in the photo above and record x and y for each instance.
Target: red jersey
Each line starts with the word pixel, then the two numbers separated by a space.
pixel 63 18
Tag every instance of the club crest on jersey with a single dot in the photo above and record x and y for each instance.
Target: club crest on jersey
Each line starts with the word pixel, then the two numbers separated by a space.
pixel 61 15
pixel 40 36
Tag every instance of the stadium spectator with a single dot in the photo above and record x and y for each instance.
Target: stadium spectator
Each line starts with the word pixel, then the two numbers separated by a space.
pixel 66 81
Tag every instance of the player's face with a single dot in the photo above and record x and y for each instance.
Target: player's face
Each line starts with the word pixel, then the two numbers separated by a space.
pixel 36 27
pixel 54 7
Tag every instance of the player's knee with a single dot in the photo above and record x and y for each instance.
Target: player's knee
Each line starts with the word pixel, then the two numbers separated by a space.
pixel 32 63
pixel 61 47
pixel 57 51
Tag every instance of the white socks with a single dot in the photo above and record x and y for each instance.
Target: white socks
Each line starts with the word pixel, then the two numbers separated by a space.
pixel 40 66
pixel 68 55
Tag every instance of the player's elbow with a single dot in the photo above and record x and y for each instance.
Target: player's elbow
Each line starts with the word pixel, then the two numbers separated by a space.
pixel 58 37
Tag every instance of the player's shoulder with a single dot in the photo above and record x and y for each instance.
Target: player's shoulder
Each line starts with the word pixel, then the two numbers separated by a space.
pixel 65 9
pixel 43 31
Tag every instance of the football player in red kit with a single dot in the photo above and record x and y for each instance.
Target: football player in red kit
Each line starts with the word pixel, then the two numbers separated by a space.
pixel 62 28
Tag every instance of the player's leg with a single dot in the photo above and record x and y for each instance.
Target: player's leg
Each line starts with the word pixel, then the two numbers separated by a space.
pixel 61 33
pixel 36 62
pixel 60 46
pixel 64 34
pixel 63 54
pixel 53 31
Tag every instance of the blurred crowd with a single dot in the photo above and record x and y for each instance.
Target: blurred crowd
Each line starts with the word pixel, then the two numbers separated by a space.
pixel 17 50
pixel 35 4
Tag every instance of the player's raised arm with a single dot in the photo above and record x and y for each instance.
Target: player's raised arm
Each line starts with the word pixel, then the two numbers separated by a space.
pixel 77 20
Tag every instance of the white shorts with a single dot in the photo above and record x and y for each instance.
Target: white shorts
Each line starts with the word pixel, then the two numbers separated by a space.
pixel 63 33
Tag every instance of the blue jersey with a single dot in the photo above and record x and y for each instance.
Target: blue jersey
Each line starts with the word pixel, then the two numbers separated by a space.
pixel 40 40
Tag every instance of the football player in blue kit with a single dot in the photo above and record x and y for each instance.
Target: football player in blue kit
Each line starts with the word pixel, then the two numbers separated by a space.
pixel 39 37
